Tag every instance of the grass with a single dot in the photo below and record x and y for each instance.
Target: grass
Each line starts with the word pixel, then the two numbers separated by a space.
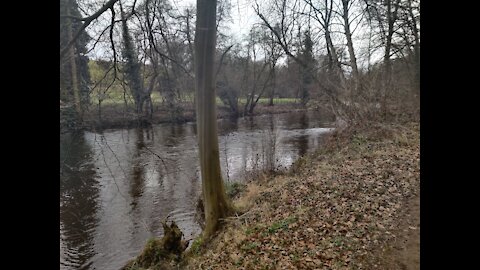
pixel 307 216
pixel 196 245
pixel 233 189
pixel 115 94
pixel 267 100
pixel 116 97
pixel 281 225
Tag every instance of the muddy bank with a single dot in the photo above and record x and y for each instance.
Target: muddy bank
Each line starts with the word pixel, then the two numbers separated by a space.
pixel 351 205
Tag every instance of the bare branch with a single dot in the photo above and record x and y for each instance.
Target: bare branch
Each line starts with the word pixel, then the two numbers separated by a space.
pixel 87 21
pixel 221 59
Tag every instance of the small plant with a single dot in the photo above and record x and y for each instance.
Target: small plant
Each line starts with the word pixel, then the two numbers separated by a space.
pixel 234 189
pixel 295 257
pixel 338 241
pixel 249 246
pixel 358 140
pixel 281 225
pixel 196 245
pixel 239 262
pixel 251 230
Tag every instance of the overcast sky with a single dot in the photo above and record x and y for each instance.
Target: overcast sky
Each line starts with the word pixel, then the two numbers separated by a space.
pixel 243 15
pixel 242 19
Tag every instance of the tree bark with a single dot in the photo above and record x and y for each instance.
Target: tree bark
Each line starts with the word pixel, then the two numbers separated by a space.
pixel 132 67
pixel 416 48
pixel 216 204
pixel 274 79
pixel 351 52
pixel 391 19
pixel 73 64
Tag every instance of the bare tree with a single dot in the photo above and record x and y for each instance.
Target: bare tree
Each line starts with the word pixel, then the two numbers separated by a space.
pixel 74 72
pixel 216 204
pixel 73 64
pixel 385 15
pixel 132 67
pixel 274 52
pixel 345 14
pixel 86 22
pixel 285 24
pixel 260 77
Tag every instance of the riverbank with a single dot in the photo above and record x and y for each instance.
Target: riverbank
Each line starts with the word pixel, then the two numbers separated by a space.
pixel 116 116
pixel 354 204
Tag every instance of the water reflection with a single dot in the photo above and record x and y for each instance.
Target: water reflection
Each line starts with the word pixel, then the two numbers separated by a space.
pixel 117 187
pixel 78 201
pixel 302 140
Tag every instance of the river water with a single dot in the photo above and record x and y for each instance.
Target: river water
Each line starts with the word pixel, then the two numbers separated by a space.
pixel 117 186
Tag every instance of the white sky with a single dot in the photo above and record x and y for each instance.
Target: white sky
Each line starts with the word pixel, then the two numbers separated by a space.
pixel 242 19
pixel 242 13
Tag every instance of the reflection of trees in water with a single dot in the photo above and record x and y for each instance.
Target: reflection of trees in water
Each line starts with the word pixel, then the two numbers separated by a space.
pixel 78 196
pixel 297 120
pixel 302 141
pixel 138 182
pixel 175 182
pixel 301 144
pixel 251 123
pixel 172 134
pixel 269 145
pixel 227 125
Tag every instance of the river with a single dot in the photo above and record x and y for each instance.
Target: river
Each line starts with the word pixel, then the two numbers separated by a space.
pixel 118 185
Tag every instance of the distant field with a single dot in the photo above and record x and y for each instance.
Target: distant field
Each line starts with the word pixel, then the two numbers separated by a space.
pixel 275 100
pixel 115 95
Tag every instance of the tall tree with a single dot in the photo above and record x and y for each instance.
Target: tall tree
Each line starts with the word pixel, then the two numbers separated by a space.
pixel 216 204
pixel 346 5
pixel 413 8
pixel 259 69
pixel 308 68
pixel 132 66
pixel 385 15
pixel 74 73
pixel 274 53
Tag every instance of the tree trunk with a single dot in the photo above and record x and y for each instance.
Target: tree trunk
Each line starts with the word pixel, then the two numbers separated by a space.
pixel 351 52
pixel 391 18
pixel 132 67
pixel 416 48
pixel 272 93
pixel 216 204
pixel 73 65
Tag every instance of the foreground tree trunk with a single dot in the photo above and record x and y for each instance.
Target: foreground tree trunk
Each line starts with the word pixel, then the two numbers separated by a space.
pixel 216 204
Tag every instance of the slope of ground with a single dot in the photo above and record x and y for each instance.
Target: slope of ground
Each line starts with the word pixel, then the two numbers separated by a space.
pixel 352 205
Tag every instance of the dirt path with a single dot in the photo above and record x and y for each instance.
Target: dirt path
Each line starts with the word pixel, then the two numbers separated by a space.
pixel 405 253
pixel 409 257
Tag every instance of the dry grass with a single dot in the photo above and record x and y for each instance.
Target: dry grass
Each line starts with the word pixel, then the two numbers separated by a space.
pixel 340 209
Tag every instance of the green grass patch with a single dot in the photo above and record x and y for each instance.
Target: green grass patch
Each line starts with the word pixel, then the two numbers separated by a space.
pixel 250 246
pixel 233 189
pixel 281 225
pixel 196 246
pixel 264 101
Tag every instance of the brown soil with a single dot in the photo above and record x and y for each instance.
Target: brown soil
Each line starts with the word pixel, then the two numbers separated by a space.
pixel 404 254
